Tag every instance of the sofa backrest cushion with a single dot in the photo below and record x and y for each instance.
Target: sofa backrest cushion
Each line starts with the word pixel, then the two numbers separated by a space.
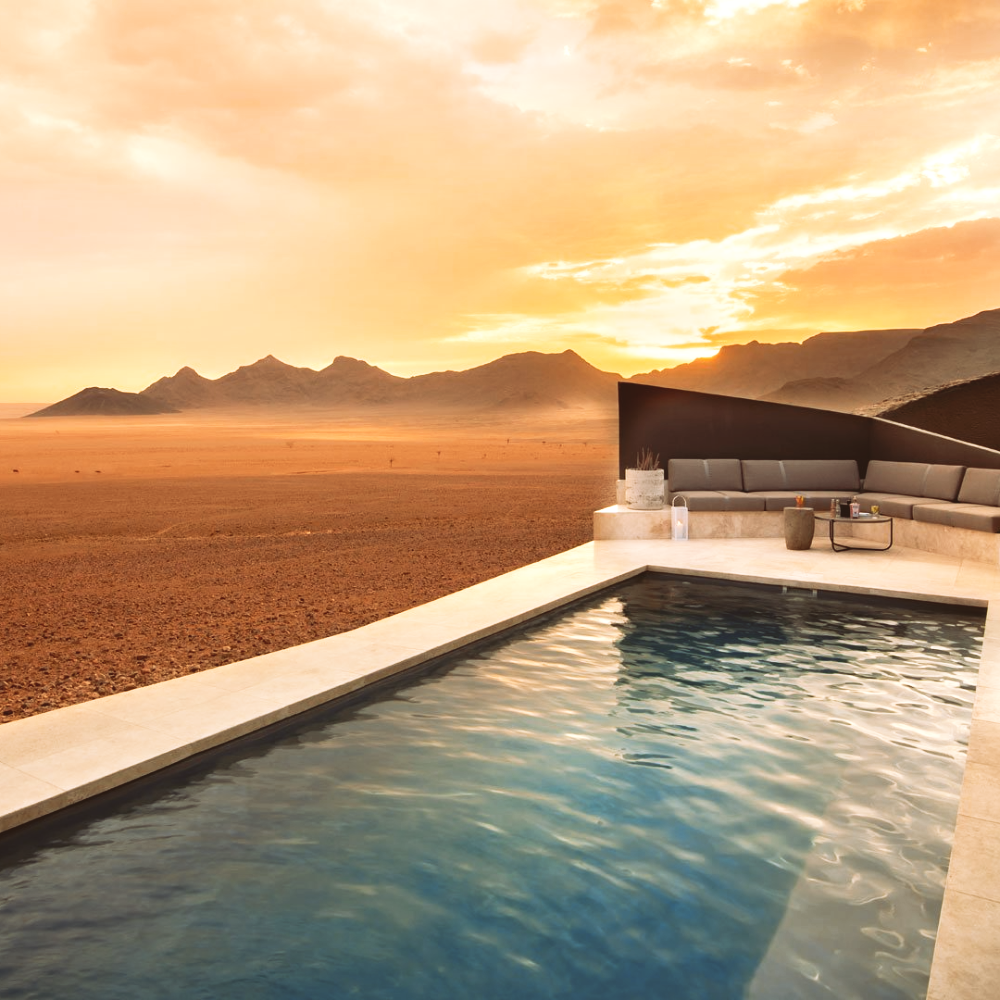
pixel 704 474
pixel 763 474
pixel 903 478
pixel 914 479
pixel 981 486
pixel 943 481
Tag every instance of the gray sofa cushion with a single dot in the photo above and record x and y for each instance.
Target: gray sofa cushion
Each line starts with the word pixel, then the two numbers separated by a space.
pixel 712 474
pixel 800 475
pixel 981 487
pixel 896 506
pixel 721 500
pixel 943 481
pixel 895 478
pixel 913 479
pixel 960 515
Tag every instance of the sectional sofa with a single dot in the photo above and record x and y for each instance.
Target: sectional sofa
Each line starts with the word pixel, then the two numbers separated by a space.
pixel 949 495
pixel 938 508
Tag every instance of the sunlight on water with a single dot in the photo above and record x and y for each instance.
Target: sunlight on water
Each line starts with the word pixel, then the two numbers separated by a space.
pixel 677 789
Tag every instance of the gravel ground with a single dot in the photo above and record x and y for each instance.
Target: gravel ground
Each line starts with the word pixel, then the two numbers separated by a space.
pixel 106 586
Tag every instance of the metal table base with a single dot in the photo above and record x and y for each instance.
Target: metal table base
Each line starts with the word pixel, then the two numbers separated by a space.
pixel 867 519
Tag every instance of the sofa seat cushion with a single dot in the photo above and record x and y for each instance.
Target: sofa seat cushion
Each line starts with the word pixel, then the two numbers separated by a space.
pixel 720 500
pixel 914 479
pixel 704 474
pixel 977 517
pixel 766 475
pixel 897 506
pixel 819 500
pixel 981 487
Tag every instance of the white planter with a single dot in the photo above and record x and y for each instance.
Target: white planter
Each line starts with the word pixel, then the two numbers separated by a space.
pixel 644 489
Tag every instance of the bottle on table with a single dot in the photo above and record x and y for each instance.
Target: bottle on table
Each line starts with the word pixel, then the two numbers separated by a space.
pixel 855 507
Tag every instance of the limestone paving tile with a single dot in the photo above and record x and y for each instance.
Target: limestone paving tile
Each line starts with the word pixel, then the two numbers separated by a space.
pixel 966 957
pixel 39 736
pixel 980 796
pixel 94 767
pixel 975 858
pixel 324 682
pixel 22 796
pixel 429 636
pixel 979 576
pixel 294 693
pixel 237 676
pixel 984 742
pixel 218 719
pixel 144 705
pixel 987 704
pixel 989 671
pixel 991 635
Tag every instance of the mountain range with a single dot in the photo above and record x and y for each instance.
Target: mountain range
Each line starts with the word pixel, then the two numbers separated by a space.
pixel 849 371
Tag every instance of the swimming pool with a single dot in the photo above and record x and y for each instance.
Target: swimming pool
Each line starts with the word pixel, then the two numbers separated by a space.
pixel 676 788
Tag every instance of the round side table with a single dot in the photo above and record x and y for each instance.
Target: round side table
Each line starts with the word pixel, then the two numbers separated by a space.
pixel 799 527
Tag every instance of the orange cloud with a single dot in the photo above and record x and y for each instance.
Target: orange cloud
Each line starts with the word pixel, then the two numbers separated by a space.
pixel 893 282
pixel 498 47
pixel 407 180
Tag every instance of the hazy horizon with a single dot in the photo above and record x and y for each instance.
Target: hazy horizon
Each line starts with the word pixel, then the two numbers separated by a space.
pixel 10 407
pixel 426 185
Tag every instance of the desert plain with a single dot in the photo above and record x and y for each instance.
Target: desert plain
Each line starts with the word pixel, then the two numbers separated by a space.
pixel 136 549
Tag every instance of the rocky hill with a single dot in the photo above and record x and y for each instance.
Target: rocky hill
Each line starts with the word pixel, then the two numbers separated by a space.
pixel 186 390
pixel 348 380
pixel 966 349
pixel 270 382
pixel 530 380
pixel 97 401
pixel 756 370
pixel 948 352
pixel 831 393
pixel 837 371
pixel 967 410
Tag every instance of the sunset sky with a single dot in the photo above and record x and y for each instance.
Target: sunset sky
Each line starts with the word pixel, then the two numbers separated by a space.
pixel 430 184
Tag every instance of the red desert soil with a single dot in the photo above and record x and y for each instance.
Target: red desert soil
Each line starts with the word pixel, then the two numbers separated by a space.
pixel 121 577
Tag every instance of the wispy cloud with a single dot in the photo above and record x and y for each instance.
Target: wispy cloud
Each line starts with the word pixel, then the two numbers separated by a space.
pixel 422 182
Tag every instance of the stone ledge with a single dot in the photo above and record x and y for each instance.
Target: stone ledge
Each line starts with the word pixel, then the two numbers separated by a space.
pixel 619 523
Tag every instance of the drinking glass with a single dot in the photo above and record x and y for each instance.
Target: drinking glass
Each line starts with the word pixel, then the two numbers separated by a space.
pixel 874 510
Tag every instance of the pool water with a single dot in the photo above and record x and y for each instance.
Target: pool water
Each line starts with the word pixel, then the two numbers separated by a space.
pixel 675 789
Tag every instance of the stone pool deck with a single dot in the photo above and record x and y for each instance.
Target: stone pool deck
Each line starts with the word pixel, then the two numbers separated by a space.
pixel 61 757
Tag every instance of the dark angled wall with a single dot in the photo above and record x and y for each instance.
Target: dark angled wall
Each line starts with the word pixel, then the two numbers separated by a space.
pixel 910 444
pixel 676 423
